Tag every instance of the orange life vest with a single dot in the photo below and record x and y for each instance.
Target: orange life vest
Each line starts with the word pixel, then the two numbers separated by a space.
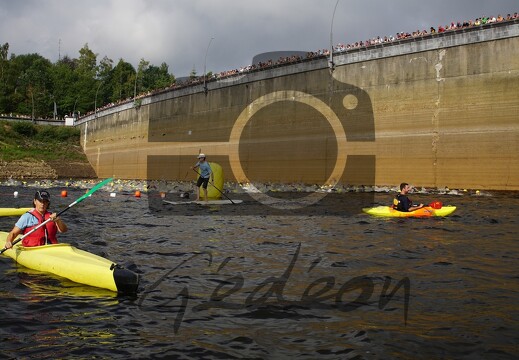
pixel 43 235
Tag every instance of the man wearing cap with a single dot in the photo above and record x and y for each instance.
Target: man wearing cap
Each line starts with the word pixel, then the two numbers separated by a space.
pixel 46 234
pixel 205 173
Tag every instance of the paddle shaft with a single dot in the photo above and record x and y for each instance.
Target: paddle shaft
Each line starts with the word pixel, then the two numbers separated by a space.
pixel 93 190
pixel 220 191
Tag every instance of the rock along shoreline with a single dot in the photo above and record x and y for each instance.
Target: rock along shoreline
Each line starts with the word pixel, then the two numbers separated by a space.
pixel 34 169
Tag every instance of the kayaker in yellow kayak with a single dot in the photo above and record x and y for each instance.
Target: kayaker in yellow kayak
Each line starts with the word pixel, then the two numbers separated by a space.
pixel 402 203
pixel 45 234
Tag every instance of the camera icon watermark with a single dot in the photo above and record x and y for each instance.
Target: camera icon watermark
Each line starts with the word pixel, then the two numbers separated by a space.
pixel 314 144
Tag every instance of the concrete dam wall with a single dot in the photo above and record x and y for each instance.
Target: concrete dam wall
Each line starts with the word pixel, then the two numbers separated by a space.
pixel 439 111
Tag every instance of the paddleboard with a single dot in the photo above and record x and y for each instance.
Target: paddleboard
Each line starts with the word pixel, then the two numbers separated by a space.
pixel 208 202
pixel 13 211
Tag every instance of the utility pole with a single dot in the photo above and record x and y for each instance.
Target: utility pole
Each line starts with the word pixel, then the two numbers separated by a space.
pixel 205 63
pixel 95 100
pixel 332 65
pixel 32 97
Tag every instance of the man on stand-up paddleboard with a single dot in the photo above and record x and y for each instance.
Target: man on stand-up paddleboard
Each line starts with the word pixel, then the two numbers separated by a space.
pixel 402 203
pixel 45 234
pixel 205 173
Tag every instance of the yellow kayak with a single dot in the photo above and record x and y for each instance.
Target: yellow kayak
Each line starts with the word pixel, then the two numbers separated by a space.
pixel 426 211
pixel 13 211
pixel 74 264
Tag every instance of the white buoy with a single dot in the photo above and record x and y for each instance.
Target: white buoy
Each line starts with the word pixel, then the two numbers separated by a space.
pixel 112 194
pixel 15 194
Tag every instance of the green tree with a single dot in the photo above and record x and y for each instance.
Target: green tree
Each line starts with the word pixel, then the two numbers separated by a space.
pixel 41 80
pixel 87 62
pixel 87 82
pixel 141 70
pixel 122 81
pixel 105 67
pixel 156 77
pixel 32 84
pixel 105 73
pixel 4 64
pixel 65 79
pixel 192 74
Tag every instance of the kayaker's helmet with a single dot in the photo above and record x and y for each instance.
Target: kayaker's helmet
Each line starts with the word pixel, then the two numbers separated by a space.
pixel 42 195
pixel 200 156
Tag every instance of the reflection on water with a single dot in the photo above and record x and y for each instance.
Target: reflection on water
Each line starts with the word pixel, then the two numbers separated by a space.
pixel 43 285
pixel 231 286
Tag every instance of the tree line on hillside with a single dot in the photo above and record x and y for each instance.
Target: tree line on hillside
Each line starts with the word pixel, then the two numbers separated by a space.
pixel 32 86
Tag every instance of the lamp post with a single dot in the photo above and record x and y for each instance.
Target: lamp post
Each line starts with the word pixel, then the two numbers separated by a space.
pixel 95 100
pixel 135 85
pixel 55 110
pixel 332 65
pixel 32 98
pixel 205 63
pixel 74 111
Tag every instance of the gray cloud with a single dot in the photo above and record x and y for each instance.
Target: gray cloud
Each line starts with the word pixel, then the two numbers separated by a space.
pixel 178 32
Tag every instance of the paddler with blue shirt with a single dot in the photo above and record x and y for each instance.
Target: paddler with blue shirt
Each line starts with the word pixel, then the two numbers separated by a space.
pixel 402 203
pixel 28 221
pixel 204 175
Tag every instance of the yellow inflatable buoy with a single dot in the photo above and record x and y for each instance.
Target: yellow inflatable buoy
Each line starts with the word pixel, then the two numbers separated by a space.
pixel 215 187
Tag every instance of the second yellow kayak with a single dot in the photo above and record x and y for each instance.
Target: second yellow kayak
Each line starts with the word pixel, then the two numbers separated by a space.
pixel 13 211
pixel 426 211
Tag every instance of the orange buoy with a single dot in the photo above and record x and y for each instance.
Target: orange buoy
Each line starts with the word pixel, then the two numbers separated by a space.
pixel 162 194
pixel 64 193
pixel 137 194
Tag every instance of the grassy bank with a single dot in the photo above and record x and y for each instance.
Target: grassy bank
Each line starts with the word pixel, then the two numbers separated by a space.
pixel 23 140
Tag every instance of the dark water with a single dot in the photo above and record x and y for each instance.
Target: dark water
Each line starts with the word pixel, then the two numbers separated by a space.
pixel 274 287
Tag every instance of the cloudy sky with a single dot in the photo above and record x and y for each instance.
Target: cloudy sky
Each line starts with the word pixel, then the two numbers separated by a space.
pixel 179 32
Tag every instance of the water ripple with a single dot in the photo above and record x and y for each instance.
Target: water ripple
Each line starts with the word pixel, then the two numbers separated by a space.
pixel 275 287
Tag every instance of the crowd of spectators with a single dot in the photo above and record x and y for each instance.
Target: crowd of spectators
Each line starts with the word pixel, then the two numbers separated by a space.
pixel 326 52
pixel 421 33
pixel 18 116
pixel 28 117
